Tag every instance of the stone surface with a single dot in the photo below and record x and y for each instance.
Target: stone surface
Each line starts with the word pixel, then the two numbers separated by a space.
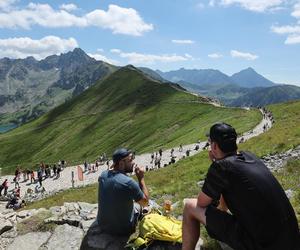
pixel 65 237
pixel 85 225
pixel 5 225
pixel 32 241
pixel 87 207
pixel 95 240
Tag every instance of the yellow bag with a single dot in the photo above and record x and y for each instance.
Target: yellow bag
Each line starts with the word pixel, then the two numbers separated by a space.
pixel 156 227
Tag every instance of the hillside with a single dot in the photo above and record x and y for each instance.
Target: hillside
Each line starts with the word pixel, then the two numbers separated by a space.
pixel 266 96
pixel 180 180
pixel 29 88
pixel 125 109
pixel 235 96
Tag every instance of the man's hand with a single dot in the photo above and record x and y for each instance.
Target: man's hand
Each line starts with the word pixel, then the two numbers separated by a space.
pixel 139 172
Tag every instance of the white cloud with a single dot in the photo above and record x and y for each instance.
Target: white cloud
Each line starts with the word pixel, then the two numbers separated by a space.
pixel 119 20
pixel 100 57
pixel 6 4
pixel 288 29
pixel 68 7
pixel 24 46
pixel 254 5
pixel 183 41
pixel 293 31
pixel 215 56
pixel 116 51
pixel 100 50
pixel 188 55
pixel 243 55
pixel 296 12
pixel 146 59
pixel 293 39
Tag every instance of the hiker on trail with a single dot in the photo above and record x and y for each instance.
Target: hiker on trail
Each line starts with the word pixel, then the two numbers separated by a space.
pixel 85 164
pixel 54 170
pixel 58 171
pixel 160 152
pixel 17 177
pixel 261 216
pixel 187 152
pixel 152 158
pixel 117 212
pixel 96 166
pixel 40 176
pixel 32 178
pixel 4 186
pixel 172 152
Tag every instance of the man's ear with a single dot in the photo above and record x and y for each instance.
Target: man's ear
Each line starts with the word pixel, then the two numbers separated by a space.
pixel 213 145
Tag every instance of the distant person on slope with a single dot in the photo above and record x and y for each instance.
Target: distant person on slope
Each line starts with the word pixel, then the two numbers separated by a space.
pixel 261 216
pixel 118 213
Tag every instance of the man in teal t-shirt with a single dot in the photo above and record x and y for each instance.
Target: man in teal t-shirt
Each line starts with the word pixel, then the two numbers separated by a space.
pixel 117 191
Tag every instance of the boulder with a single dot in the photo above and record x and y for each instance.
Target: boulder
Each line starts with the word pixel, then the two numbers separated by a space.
pixel 73 220
pixel 87 207
pixel 5 225
pixel 32 241
pixel 58 210
pixel 65 237
pixel 95 239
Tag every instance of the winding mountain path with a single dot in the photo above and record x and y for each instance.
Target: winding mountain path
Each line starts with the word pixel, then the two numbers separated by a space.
pixel 64 182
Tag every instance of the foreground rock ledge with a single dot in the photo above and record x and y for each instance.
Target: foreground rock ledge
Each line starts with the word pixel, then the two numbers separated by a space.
pixel 75 228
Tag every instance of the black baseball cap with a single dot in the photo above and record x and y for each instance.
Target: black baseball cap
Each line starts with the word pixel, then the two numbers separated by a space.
pixel 222 132
pixel 120 153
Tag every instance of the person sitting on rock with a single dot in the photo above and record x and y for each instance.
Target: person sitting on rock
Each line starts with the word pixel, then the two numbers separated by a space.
pixel 117 212
pixel 19 204
pixel 261 216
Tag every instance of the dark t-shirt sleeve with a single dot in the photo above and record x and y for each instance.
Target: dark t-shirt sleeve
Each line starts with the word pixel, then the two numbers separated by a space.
pixel 135 191
pixel 215 181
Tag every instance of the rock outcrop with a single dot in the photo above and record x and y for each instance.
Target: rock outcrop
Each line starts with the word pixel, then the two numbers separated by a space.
pixel 73 226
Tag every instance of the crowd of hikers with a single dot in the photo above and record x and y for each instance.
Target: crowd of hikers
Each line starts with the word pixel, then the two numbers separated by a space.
pixel 30 177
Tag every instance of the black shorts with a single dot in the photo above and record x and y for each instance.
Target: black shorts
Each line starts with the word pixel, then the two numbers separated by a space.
pixel 224 227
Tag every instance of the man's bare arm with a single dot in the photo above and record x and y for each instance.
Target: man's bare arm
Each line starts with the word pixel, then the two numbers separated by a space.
pixel 203 200
pixel 140 176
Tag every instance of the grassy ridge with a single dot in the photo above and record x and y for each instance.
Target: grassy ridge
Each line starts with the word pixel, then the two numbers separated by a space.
pixel 126 109
pixel 180 180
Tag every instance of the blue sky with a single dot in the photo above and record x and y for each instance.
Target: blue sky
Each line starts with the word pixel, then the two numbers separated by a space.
pixel 228 35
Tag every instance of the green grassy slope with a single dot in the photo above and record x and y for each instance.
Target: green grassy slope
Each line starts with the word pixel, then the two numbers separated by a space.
pixel 179 181
pixel 285 133
pixel 126 109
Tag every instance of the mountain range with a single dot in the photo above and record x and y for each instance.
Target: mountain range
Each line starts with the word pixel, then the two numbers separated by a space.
pixel 240 89
pixel 30 88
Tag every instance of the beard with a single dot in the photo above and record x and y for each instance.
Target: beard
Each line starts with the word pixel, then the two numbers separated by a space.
pixel 129 168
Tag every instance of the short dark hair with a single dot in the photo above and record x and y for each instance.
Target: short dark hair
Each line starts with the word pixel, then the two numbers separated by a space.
pixel 225 136
pixel 119 154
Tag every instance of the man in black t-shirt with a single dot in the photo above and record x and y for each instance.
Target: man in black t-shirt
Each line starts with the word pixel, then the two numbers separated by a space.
pixel 253 211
